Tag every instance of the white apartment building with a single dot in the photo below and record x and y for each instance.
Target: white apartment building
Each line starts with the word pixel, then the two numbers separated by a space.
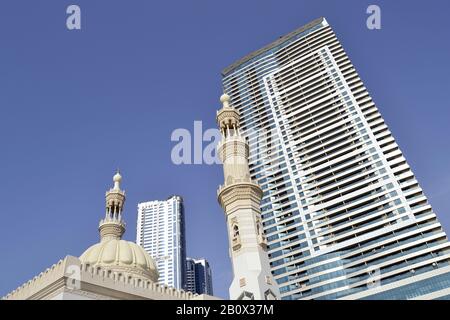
pixel 160 231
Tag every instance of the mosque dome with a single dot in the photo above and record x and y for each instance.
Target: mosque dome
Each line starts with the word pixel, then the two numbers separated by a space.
pixel 121 256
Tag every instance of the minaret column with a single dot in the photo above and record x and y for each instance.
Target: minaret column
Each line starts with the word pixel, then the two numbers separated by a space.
pixel 240 199
pixel 113 227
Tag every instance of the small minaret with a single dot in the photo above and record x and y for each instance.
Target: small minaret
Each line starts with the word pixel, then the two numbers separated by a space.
pixel 240 198
pixel 113 226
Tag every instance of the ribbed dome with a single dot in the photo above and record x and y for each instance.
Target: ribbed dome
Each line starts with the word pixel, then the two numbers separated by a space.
pixel 121 256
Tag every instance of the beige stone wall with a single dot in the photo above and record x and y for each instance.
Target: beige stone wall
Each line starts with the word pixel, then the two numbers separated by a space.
pixel 69 279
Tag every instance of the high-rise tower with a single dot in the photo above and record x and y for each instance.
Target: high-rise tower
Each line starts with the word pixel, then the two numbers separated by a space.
pixel 240 198
pixel 343 213
pixel 161 231
pixel 198 276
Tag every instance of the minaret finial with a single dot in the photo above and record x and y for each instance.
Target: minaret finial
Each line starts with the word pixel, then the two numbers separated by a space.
pixel 224 98
pixel 117 179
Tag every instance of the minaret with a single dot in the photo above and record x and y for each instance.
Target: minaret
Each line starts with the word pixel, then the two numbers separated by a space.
pixel 240 198
pixel 121 259
pixel 113 226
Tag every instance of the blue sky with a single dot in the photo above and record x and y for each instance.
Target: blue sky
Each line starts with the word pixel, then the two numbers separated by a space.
pixel 75 105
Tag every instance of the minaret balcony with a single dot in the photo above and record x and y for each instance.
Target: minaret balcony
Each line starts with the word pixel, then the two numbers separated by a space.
pixel 112 220
pixel 240 189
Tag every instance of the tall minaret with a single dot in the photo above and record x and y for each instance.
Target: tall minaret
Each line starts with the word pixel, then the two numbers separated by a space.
pixel 240 198
pixel 113 226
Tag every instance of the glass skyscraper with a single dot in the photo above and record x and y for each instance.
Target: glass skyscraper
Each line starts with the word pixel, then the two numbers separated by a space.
pixel 161 232
pixel 343 213
pixel 198 276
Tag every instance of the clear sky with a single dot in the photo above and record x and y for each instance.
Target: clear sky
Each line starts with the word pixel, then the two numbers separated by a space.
pixel 75 105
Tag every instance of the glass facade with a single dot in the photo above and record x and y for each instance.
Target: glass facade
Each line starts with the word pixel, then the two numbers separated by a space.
pixel 198 276
pixel 342 211
pixel 415 289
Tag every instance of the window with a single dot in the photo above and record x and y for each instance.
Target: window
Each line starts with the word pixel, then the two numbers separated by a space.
pixel 235 231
